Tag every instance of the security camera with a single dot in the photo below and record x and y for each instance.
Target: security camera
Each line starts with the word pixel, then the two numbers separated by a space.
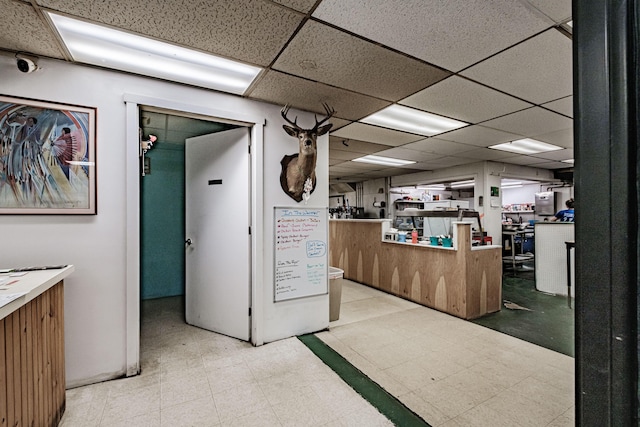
pixel 26 64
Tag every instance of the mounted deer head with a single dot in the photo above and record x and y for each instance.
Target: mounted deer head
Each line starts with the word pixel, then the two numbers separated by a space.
pixel 299 170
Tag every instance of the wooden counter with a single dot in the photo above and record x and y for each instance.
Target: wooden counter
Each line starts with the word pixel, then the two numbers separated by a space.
pixel 463 281
pixel 32 370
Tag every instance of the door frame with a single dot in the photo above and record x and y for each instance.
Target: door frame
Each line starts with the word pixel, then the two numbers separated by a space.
pixel 132 171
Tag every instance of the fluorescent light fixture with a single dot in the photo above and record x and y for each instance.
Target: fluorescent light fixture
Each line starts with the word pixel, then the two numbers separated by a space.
pixel 526 146
pixel 568 161
pixel 386 161
pixel 463 184
pixel 510 181
pixel 435 187
pixel 511 186
pixel 410 120
pixel 119 50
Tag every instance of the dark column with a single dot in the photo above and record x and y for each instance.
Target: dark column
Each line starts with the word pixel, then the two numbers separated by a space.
pixel 606 173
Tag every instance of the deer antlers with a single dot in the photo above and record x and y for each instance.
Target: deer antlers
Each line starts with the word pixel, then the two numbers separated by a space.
pixel 329 111
pixel 284 112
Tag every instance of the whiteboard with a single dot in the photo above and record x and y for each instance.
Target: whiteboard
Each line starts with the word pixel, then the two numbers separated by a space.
pixel 301 268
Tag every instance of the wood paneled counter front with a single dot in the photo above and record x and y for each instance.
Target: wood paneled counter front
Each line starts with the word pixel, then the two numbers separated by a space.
pixel 32 371
pixel 463 281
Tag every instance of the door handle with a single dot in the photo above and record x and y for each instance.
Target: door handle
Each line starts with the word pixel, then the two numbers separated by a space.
pixel 188 242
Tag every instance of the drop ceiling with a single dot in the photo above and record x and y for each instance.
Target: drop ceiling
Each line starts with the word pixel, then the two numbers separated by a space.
pixel 502 66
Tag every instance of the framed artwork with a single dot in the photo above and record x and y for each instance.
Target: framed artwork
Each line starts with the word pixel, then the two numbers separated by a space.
pixel 47 157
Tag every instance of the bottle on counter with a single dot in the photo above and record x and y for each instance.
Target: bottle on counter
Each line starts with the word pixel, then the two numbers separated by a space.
pixel 414 236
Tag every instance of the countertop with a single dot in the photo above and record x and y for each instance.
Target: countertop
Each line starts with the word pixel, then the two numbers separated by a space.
pixel 32 284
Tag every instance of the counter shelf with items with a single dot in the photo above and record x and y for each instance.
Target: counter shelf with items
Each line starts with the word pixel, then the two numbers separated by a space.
pixel 438 222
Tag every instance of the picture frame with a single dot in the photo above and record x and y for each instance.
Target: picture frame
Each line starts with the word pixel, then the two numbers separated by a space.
pixel 47 158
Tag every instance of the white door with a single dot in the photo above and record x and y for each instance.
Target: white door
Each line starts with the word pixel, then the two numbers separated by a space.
pixel 217 258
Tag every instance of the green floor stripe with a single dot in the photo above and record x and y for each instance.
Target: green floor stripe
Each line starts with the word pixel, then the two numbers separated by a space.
pixel 386 403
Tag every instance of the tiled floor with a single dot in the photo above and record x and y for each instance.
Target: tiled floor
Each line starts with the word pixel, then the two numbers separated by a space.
pixel 192 377
pixel 450 372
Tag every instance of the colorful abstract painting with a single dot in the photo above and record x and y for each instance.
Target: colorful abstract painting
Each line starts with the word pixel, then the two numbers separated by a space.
pixel 47 158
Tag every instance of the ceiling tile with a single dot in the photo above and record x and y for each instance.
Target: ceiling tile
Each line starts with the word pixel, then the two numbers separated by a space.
pixel 487 154
pixel 523 160
pixel 376 134
pixel 340 176
pixel 446 162
pixel 322 53
pixel 299 5
pixel 354 145
pixel 350 168
pixel 343 155
pixel 566 154
pixel 361 167
pixel 479 136
pixel 562 106
pixel 439 146
pixel 452 34
pixel 464 100
pixel 399 171
pixel 544 62
pixel 558 10
pixel 530 123
pixel 279 88
pixel 561 138
pixel 152 119
pixel 403 153
pixel 35 37
pixel 246 30
pixel 336 122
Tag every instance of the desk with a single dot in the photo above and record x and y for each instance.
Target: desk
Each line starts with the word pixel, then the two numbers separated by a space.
pixel 32 370
pixel 570 245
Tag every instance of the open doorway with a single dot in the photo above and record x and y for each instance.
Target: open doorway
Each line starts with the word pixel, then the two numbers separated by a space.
pixel 162 200
pixel 164 212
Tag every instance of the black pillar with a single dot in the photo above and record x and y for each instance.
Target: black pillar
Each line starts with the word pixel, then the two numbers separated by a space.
pixel 606 49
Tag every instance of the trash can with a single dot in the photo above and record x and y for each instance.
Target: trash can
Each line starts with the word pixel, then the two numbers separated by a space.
pixel 335 292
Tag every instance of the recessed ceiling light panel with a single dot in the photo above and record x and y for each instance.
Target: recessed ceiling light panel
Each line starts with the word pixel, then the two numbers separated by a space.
pixel 410 120
pixel 526 146
pixel 119 50
pixel 380 160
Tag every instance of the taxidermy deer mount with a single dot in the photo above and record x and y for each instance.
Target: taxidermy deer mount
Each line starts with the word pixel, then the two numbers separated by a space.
pixel 298 176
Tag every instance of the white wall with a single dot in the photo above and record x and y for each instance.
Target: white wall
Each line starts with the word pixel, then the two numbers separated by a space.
pixel 96 294
pixel 526 194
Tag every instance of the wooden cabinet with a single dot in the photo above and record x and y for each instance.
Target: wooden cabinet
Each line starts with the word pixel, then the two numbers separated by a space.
pixel 32 362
